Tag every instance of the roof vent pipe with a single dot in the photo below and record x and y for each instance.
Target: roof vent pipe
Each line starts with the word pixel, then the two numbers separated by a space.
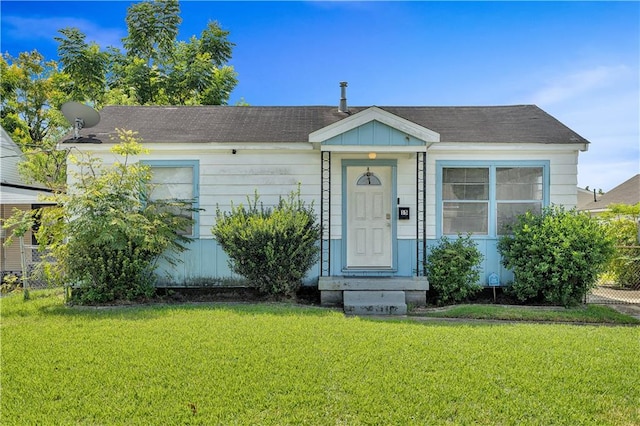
pixel 343 98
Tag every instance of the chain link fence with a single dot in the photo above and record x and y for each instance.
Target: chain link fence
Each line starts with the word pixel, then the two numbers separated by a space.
pixel 621 283
pixel 33 274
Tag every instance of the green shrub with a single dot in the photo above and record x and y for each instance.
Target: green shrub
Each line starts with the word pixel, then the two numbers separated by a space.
pixel 10 283
pixel 273 248
pixel 453 269
pixel 556 256
pixel 104 234
pixel 112 274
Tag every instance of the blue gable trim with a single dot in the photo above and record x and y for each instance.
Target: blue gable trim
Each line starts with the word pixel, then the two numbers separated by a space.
pixel 374 133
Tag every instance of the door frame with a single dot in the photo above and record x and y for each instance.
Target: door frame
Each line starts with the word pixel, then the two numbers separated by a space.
pixel 393 164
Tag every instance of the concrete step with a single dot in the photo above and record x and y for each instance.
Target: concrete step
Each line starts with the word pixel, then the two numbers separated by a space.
pixel 375 302
pixel 335 283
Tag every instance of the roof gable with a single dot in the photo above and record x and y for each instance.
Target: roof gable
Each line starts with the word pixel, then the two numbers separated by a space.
pixel 13 188
pixel 628 192
pixel 393 130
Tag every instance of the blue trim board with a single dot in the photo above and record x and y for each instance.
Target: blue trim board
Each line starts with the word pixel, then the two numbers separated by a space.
pixel 492 165
pixel 394 207
pixel 206 259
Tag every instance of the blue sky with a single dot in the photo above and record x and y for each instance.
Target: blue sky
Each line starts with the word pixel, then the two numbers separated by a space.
pixel 579 61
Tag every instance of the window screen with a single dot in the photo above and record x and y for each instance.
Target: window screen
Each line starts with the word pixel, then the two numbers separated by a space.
pixel 487 200
pixel 465 200
pixel 518 190
pixel 175 184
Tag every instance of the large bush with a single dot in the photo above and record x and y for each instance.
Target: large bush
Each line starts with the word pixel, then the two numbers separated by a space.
pixel 556 256
pixel 271 247
pixel 105 234
pixel 622 223
pixel 453 269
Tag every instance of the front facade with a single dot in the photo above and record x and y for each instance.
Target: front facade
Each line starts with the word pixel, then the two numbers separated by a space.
pixel 386 182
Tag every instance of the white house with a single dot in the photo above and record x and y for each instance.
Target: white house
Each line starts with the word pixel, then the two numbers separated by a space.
pixel 387 182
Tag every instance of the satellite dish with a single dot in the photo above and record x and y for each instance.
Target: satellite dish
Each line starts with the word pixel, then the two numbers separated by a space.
pixel 80 116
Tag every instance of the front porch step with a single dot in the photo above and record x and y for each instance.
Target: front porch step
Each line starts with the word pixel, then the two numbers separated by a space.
pixel 375 302
pixel 332 288
pixel 338 283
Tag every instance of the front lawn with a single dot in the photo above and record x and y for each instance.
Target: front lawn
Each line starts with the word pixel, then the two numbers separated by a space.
pixel 278 364
pixel 590 314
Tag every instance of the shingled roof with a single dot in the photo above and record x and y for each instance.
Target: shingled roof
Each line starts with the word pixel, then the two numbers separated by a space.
pixel 628 192
pixel 257 124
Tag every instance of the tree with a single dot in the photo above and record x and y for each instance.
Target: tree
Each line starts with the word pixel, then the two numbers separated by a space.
pixel 85 64
pixel 31 94
pixel 105 233
pixel 197 74
pixel 157 69
pixel 152 28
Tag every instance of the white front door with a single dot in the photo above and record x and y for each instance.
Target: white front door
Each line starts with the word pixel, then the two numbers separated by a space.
pixel 369 217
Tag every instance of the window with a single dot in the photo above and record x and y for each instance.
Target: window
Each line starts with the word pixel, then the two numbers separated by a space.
pixel 176 181
pixel 368 179
pixel 485 199
pixel 465 200
pixel 518 190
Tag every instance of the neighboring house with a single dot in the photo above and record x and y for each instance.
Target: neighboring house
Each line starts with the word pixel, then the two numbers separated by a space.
pixel 585 197
pixel 627 192
pixel 386 182
pixel 15 193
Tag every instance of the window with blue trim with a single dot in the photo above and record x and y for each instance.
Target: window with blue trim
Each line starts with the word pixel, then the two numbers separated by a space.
pixel 465 200
pixel 487 199
pixel 176 181
pixel 518 190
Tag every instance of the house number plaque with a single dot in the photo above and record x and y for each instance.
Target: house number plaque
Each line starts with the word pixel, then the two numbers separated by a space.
pixel 403 213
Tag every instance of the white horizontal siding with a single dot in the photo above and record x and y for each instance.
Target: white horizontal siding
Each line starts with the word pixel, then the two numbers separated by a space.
pixel 227 178
pixel 407 195
pixel 10 257
pixel 564 180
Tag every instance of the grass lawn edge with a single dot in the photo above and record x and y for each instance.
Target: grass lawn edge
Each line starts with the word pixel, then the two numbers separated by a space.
pixel 584 314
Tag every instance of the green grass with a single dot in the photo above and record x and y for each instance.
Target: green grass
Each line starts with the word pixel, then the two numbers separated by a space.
pixel 275 364
pixel 590 314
